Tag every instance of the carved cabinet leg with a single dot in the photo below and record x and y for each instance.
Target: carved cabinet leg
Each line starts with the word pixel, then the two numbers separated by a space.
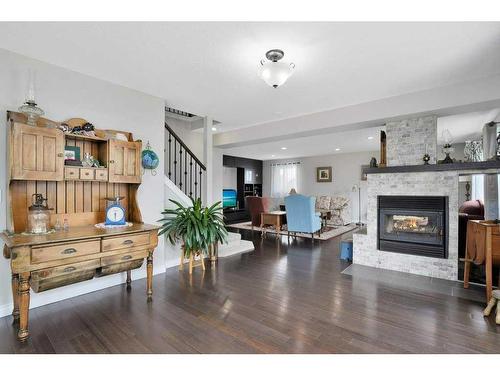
pixel 24 305
pixel 15 297
pixel 129 279
pixel 150 275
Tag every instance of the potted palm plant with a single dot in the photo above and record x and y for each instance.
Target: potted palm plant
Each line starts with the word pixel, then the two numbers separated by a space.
pixel 199 228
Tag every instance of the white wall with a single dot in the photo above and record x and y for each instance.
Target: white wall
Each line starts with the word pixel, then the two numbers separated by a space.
pixel 218 174
pixel 64 94
pixel 346 171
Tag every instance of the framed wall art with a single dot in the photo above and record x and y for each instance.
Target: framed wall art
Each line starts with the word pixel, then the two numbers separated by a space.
pixel 324 174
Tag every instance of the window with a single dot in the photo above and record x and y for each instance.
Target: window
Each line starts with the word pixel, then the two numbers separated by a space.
pixel 477 187
pixel 284 177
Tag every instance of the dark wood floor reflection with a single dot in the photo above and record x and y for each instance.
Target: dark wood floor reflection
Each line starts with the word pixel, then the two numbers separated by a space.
pixel 278 299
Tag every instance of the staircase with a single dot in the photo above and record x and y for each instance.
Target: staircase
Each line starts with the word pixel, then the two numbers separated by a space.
pixel 182 167
pixel 185 175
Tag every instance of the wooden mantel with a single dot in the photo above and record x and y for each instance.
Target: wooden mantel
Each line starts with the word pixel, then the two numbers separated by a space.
pixel 477 166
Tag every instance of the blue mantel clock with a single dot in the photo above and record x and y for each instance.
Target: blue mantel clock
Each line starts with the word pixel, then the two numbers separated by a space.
pixel 115 213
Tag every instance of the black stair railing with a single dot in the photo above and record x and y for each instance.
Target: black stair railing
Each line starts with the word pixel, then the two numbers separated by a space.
pixel 182 167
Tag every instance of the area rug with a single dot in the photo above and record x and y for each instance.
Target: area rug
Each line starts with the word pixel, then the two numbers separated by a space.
pixel 329 232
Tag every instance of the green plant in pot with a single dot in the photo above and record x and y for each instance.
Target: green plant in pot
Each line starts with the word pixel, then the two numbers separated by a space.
pixel 198 227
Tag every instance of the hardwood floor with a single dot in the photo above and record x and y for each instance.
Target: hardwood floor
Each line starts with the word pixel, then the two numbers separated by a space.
pixel 278 299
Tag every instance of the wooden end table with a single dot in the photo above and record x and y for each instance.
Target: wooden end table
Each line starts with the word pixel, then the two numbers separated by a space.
pixel 274 218
pixel 325 215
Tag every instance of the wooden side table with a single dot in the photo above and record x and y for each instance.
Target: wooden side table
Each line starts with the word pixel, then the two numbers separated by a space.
pixel 274 218
pixel 325 215
pixel 483 247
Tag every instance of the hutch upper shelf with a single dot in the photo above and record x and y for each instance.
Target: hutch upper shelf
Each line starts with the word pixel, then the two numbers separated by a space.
pixel 37 153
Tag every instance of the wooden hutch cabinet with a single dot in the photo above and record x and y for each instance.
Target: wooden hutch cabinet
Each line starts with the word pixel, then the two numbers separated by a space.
pixel 75 194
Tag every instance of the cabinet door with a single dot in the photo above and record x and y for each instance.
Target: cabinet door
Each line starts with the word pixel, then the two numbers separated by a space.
pixel 249 176
pixel 125 161
pixel 37 153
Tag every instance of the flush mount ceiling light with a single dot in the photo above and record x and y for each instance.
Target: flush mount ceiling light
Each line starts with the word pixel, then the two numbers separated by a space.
pixel 283 148
pixel 273 71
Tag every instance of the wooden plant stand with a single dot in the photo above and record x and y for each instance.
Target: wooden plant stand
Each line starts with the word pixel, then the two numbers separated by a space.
pixel 194 261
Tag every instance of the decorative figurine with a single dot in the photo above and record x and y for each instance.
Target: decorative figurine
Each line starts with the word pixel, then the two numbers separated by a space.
pixel 426 159
pixel 373 163
pixel 88 129
pixel 77 130
pixel 64 128
pixel 473 151
pixel 383 149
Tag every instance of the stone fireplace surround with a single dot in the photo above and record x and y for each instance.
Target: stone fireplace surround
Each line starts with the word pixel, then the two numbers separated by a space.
pixel 407 140
pixel 365 250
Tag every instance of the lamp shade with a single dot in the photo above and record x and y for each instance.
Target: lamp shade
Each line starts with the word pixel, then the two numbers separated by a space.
pixel 276 73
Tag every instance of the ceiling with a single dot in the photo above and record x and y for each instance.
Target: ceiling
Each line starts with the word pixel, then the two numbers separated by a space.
pixel 211 68
pixel 462 127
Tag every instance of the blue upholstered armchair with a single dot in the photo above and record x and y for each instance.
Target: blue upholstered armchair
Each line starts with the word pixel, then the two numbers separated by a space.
pixel 301 215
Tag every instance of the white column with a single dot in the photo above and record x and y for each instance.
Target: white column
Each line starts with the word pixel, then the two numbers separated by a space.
pixel 208 123
pixel 490 196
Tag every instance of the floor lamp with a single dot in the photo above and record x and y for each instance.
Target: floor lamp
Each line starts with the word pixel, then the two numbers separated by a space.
pixel 358 189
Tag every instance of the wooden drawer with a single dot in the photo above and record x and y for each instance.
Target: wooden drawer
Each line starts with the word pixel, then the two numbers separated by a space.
pixel 71 173
pixel 124 242
pixel 121 258
pixel 66 269
pixel 86 173
pixel 120 267
pixel 41 254
pixel 40 285
pixel 101 174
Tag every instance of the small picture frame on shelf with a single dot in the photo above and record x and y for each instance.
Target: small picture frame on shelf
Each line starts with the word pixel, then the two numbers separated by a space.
pixel 324 174
pixel 71 153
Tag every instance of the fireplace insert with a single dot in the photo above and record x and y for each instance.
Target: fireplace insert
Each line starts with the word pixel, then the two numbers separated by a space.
pixel 416 225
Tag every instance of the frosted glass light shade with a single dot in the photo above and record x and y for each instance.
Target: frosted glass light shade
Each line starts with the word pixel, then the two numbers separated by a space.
pixel 275 73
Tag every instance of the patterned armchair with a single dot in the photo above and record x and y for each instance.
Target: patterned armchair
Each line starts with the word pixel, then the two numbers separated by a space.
pixel 340 210
pixel 339 207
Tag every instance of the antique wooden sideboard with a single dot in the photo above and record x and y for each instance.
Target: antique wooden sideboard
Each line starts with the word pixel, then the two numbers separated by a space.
pixel 76 195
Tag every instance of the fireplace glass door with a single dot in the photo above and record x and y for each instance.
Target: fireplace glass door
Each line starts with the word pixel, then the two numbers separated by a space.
pixel 425 227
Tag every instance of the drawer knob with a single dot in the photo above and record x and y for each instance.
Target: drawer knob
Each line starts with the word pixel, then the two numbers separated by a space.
pixel 128 242
pixel 60 155
pixel 111 162
pixel 87 173
pixel 71 250
pixel 127 257
pixel 69 269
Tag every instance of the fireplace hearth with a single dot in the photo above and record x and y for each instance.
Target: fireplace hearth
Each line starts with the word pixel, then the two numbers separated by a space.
pixel 415 225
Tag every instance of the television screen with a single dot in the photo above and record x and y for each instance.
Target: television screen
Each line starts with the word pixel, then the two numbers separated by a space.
pixel 228 198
